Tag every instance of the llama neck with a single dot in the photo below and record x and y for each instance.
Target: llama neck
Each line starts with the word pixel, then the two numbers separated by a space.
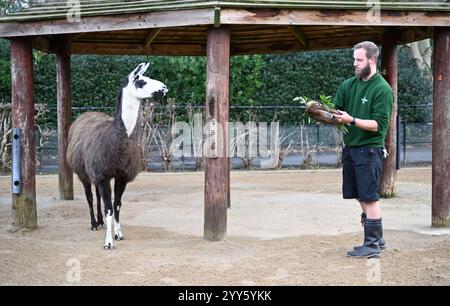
pixel 129 111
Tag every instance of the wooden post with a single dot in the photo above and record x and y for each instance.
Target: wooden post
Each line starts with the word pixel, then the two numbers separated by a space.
pixel 389 72
pixel 440 204
pixel 22 98
pixel 64 119
pixel 217 173
pixel 228 183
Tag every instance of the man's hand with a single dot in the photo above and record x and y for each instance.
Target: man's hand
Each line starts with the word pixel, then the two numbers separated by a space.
pixel 324 114
pixel 365 124
pixel 343 117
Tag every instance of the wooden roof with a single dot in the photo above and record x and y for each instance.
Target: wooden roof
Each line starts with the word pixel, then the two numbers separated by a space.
pixel 179 27
pixel 53 9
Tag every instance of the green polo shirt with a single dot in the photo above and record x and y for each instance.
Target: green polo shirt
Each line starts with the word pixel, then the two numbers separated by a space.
pixel 371 99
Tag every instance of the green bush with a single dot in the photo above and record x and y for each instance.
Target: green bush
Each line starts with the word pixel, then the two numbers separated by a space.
pixel 414 88
pixel 310 74
pixel 258 80
pixel 5 71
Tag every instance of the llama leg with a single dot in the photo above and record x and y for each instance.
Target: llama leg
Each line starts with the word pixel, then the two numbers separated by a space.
pixel 105 192
pixel 99 208
pixel 88 192
pixel 119 188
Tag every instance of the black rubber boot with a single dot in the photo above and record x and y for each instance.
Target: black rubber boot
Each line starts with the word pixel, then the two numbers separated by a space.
pixel 372 234
pixel 381 242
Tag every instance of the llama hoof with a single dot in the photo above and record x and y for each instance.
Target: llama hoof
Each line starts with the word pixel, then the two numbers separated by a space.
pixel 101 224
pixel 117 237
pixel 109 246
pixel 93 228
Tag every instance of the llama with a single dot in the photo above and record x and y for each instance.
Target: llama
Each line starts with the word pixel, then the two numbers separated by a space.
pixel 102 148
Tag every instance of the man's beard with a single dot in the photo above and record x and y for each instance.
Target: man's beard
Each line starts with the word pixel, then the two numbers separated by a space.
pixel 363 73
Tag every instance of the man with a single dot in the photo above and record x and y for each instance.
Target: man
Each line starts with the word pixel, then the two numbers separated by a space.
pixel 365 102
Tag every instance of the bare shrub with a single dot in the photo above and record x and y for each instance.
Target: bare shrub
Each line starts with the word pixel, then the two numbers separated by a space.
pixel 286 147
pixel 5 137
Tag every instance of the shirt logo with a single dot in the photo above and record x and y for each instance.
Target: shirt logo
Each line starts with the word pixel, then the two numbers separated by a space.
pixel 364 100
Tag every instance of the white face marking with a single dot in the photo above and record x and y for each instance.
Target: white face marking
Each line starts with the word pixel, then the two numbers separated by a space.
pixel 147 90
pixel 139 87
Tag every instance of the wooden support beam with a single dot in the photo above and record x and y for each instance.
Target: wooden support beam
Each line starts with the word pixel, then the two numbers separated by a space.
pixel 150 37
pixel 217 17
pixel 64 106
pixel 109 23
pixel 137 49
pixel 75 37
pixel 22 98
pixel 440 205
pixel 379 30
pixel 299 35
pixel 389 72
pixel 331 17
pixel 294 45
pixel 217 172
pixel 416 33
pixel 42 43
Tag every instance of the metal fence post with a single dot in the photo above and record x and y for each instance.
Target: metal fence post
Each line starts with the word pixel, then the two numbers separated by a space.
pixel 16 162
pixel 404 143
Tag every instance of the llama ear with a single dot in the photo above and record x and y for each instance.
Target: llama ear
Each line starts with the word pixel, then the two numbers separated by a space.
pixel 144 69
pixel 137 70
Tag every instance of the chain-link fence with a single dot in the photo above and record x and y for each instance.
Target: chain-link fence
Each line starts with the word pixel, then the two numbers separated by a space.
pixel 301 145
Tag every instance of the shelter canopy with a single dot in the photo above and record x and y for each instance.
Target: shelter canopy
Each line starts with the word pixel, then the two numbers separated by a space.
pixel 180 27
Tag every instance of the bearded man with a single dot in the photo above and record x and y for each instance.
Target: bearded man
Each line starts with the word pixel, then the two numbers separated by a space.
pixel 365 102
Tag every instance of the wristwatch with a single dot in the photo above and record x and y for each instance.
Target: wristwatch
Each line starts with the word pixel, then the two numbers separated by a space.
pixel 353 121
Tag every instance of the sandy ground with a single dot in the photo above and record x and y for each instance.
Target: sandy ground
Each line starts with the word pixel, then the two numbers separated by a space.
pixel 284 228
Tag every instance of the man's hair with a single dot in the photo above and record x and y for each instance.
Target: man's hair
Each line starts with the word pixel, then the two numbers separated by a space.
pixel 370 47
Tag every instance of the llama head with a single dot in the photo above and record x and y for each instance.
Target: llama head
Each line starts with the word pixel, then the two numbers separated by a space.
pixel 142 87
